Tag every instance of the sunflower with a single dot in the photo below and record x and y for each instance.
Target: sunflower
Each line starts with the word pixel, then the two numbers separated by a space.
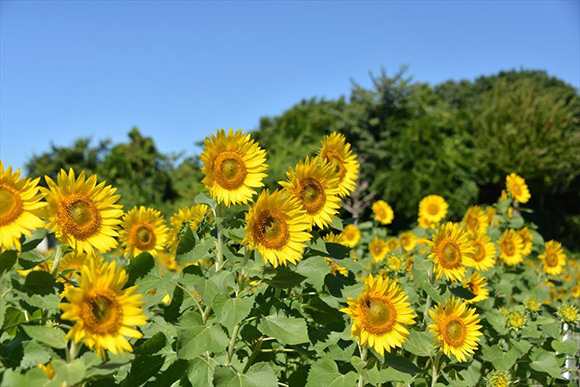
pixel 407 240
pixel 511 247
pixel 516 320
pixel 569 314
pixel 532 305
pixel 378 249
pixel 278 227
pixel 394 263
pixel 433 208
pixel 103 312
pixel 82 213
pixel 233 165
pixel 517 188
pixel 335 268
pixel 424 223
pixel 527 238
pixel 72 263
pixel 456 328
pixel 167 261
pixel 498 379
pixel 333 238
pixel 20 207
pixel 383 212
pixel 491 211
pixel 392 244
pixel 350 235
pixel 380 314
pixel 143 230
pixel 475 220
pixel 553 258
pixel 476 285
pixel 484 252
pixel 315 187
pixel 185 217
pixel 575 291
pixel 337 152
pixel 451 251
pixel 48 370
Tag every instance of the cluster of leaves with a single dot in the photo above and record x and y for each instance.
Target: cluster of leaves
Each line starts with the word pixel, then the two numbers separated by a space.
pixel 248 324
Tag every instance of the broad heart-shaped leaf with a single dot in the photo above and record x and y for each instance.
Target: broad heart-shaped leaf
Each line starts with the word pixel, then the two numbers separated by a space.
pixel 39 282
pixel 545 362
pixel 374 376
pixel 34 377
pixel 7 260
pixel 461 292
pixel 139 267
pixel 34 240
pixel 402 364
pixel 72 372
pixel 232 311
pixel 152 345
pixel 314 269
pixel 502 361
pixel 285 278
pixel 202 198
pixel 201 371
pixel 569 347
pixel 503 205
pixel 287 330
pixel 35 353
pixel 195 340
pixel 195 253
pixel 420 343
pixel 259 375
pixel 207 289
pixel 325 373
pixel 55 337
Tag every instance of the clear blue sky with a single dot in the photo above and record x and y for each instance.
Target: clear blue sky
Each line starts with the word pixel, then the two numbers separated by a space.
pixel 179 70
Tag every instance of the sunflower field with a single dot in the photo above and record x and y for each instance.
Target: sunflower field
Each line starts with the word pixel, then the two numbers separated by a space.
pixel 249 286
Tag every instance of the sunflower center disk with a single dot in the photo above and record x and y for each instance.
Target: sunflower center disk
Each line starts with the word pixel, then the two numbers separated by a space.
pixel 455 332
pixel 433 209
pixel 478 253
pixel 145 237
pixel 334 159
pixel 230 170
pixel 10 206
pixel 472 223
pixel 272 230
pixel 551 259
pixel 79 217
pixel 380 316
pixel 450 254
pixel 102 313
pixel 312 195
pixel 517 189
pixel 509 248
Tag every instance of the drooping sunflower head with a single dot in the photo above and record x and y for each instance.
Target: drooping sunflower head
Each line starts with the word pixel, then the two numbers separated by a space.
pixel 407 240
pixel 517 188
pixel 484 252
pixel 516 320
pixel 315 186
pixel 333 238
pixel 350 235
pixel 335 268
pixel 277 227
pixel 20 207
pixel 336 151
pixel 456 329
pixel 72 263
pixel 553 258
pixel 475 220
pixel 383 212
pixel 104 313
pixel 569 314
pixel 144 230
pixel 476 284
pixel 527 238
pixel 491 211
pixel 191 217
pixel 380 314
pixel 511 247
pixel 392 244
pixel 532 305
pixel 82 213
pixel 233 165
pixel 451 251
pixel 378 249
pixel 433 209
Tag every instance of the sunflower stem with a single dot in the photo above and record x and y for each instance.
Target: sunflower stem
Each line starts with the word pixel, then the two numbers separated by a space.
pixel 255 353
pixel 73 350
pixel 219 243
pixel 57 259
pixel 232 344
pixel 428 301
pixel 435 369
pixel 363 356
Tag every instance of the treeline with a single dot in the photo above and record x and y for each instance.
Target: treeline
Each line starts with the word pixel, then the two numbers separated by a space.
pixel 455 139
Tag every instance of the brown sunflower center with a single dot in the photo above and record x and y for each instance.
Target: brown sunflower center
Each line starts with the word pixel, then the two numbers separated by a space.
pixel 433 209
pixel 143 236
pixel 379 315
pixel 10 205
pixel 551 259
pixel 79 217
pixel 478 252
pixel 472 287
pixel 509 247
pixel 229 170
pixel 450 255
pixel 101 312
pixel 455 333
pixel 312 195
pixel 517 189
pixel 472 222
pixel 272 229
pixel 334 158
